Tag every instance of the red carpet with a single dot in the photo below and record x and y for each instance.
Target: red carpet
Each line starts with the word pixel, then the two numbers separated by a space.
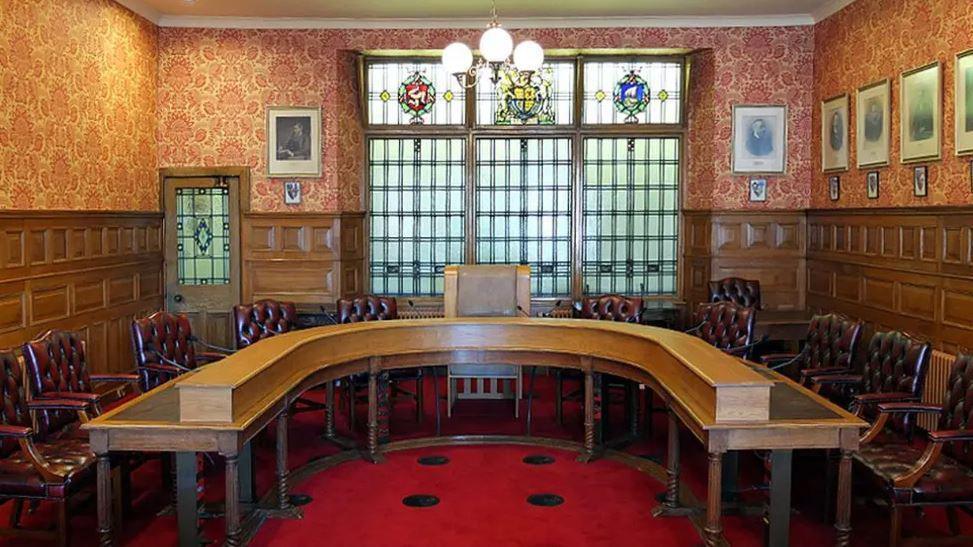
pixel 483 492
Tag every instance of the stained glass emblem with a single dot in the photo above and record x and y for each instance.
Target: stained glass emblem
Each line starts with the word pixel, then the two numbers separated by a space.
pixel 631 96
pixel 525 98
pixel 417 94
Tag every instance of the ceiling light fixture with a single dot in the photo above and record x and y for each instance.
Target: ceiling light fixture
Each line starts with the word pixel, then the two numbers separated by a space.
pixel 495 48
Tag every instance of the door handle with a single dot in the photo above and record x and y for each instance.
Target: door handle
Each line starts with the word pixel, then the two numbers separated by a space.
pixel 177 298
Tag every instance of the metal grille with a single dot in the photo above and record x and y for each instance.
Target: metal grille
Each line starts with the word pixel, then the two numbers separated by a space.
pixel 630 194
pixel 203 235
pixel 382 95
pixel 523 208
pixel 560 75
pixel 416 195
pixel 664 80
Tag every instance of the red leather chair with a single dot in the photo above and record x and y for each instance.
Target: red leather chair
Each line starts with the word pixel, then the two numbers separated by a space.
pixel 379 308
pixel 940 473
pixel 742 292
pixel 36 464
pixel 57 367
pixel 262 319
pixel 164 348
pixel 726 326
pixel 829 348
pixel 610 307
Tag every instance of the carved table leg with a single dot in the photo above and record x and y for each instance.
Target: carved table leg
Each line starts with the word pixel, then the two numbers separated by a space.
pixel 187 511
pixel 233 530
pixel 713 531
pixel 384 407
pixel 329 431
pixel 285 506
pixel 671 507
pixel 373 455
pixel 589 417
pixel 104 501
pixel 843 510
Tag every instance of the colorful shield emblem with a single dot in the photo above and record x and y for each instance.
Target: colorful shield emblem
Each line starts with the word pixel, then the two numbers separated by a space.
pixel 631 96
pixel 416 96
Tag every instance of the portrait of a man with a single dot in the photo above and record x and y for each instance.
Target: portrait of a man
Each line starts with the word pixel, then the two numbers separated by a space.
pixel 293 138
pixel 760 138
pixel 921 123
pixel 919 181
pixel 837 138
pixel 874 119
pixel 921 115
pixel 968 84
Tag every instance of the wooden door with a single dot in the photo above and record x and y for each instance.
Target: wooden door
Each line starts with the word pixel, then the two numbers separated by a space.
pixel 202 249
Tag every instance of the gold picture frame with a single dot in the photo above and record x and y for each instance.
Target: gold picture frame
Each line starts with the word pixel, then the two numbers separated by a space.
pixel 963 101
pixel 294 137
pixel 920 114
pixel 873 111
pixel 834 134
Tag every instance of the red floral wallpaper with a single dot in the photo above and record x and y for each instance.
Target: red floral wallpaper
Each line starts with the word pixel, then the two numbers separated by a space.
pixel 214 86
pixel 875 39
pixel 78 108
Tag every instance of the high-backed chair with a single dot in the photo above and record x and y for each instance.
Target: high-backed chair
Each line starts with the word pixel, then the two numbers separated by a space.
pixel 57 367
pixel 742 292
pixel 894 371
pixel 262 319
pixel 726 326
pixel 164 348
pixel 485 290
pixel 371 307
pixel 35 464
pixel 940 473
pixel 829 348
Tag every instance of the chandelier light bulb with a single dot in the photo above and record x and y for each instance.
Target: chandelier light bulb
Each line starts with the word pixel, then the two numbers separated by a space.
pixel 528 56
pixel 457 58
pixel 496 45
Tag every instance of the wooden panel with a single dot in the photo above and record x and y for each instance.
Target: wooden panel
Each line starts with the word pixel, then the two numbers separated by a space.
pixel 917 301
pixel 56 273
pixel 879 293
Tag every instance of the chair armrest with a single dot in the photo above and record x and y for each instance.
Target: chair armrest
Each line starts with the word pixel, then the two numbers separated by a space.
pixel 120 378
pixel 948 436
pixel 887 410
pixel 937 440
pixel 15 432
pixel 825 371
pixel 878 398
pixel 59 404
pixel 778 358
pixel 838 379
pixel 209 356
pixel 87 397
pixel 162 368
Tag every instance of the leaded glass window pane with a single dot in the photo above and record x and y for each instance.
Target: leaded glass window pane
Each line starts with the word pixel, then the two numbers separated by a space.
pixel 630 194
pixel 416 194
pixel 404 93
pixel 614 91
pixel 547 98
pixel 523 208
pixel 203 235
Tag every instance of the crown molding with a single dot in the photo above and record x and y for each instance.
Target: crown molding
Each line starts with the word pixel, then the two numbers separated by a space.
pixel 462 23
pixel 142 9
pixel 829 9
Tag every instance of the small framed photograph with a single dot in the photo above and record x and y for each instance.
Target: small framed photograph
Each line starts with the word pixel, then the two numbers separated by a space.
pixel 971 175
pixel 834 134
pixel 758 189
pixel 964 103
pixel 874 113
pixel 921 115
pixel 293 141
pixel 920 181
pixel 759 139
pixel 871 185
pixel 834 187
pixel 292 192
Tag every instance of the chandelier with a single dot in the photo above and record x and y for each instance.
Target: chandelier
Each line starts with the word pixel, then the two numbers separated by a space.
pixel 495 47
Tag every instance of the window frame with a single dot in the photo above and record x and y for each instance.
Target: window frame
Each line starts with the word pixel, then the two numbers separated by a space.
pixel 577 132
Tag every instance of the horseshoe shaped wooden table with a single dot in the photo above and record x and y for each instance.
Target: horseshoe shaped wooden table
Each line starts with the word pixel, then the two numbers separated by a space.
pixel 727 404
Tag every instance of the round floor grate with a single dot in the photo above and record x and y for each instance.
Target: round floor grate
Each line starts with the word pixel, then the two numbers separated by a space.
pixel 433 460
pixel 545 500
pixel 420 500
pixel 538 459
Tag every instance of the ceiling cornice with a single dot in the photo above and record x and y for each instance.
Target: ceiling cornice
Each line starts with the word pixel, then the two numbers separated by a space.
pixel 829 9
pixel 142 9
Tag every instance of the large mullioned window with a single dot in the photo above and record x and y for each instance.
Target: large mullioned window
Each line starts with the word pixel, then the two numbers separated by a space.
pixel 574 170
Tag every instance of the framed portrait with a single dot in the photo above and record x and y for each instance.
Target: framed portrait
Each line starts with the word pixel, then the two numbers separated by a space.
pixel 292 192
pixel 759 138
pixel 758 189
pixel 834 134
pixel 294 141
pixel 871 185
pixel 964 103
pixel 921 114
pixel 874 110
pixel 920 181
pixel 834 187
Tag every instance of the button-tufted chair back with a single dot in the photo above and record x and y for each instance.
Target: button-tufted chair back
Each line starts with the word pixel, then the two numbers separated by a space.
pixel 725 325
pixel 367 308
pixel 958 407
pixel 742 292
pixel 262 319
pixel 895 363
pixel 14 400
pixel 165 333
pixel 831 342
pixel 611 307
pixel 56 363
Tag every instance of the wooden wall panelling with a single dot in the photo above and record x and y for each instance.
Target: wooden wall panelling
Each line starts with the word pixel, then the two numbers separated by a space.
pixel 90 272
pixel 310 259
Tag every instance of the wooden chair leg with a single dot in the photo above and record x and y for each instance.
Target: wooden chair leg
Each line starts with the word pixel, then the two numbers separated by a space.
pixel 895 526
pixel 419 406
pixel 62 523
pixel 558 397
pixel 351 406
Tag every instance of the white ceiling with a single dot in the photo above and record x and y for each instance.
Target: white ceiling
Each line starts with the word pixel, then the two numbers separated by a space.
pixel 459 13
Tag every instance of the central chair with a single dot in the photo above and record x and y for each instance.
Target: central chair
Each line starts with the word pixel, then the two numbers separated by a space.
pixel 485 290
